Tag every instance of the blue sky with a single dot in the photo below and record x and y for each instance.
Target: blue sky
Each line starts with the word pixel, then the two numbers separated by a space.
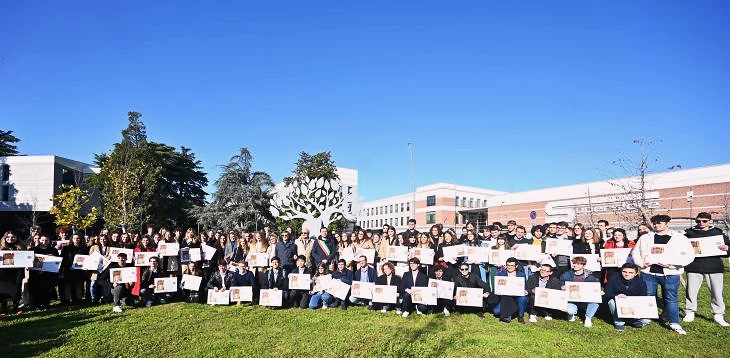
pixel 503 95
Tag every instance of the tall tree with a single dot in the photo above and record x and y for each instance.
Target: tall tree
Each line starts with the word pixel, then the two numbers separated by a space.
pixel 241 199
pixel 69 208
pixel 7 148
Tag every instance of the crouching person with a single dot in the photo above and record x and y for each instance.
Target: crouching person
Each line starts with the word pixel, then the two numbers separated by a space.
pixel 626 284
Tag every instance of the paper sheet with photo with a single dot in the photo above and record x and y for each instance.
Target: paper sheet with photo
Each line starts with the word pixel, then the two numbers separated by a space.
pixel 397 253
pixel 525 252
pixel 362 290
pixel 614 257
pixel 347 253
pixel 258 259
pixel 424 295
pixel 60 244
pixel 165 284
pixel 583 292
pixel 423 254
pixel 509 286
pixel 708 246
pixel 168 248
pixel 17 259
pixel 553 299
pixel 218 298
pixel 241 294
pixel 195 254
pixel 466 296
pixel 115 251
pixel 477 254
pixel 207 251
pixel 339 289
pixel 271 298
pixel 300 281
pixel 660 254
pixel 47 263
pixel 86 262
pixel 637 307
pixel 451 253
pixel 445 289
pixel 368 253
pixel 143 258
pixel 559 247
pixel 499 257
pixel 123 275
pixel 547 260
pixel 322 283
pixel 385 294
pixel 592 263
pixel 191 282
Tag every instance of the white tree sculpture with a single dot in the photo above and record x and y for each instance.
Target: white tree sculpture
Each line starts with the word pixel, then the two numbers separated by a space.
pixel 317 201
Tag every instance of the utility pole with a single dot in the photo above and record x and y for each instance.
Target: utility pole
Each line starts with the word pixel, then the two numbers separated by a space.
pixel 413 179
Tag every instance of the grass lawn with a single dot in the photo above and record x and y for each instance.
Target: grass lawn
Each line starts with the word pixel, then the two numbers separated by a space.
pixel 181 329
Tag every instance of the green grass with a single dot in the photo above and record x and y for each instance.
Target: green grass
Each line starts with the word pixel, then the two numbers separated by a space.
pixel 181 329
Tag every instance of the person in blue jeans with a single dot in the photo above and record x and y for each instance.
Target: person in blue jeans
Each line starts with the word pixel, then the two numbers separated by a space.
pixel 579 274
pixel 319 297
pixel 620 286
pixel 509 305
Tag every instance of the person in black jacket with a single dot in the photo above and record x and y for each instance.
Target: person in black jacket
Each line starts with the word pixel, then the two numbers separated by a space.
pixel 363 273
pixel 121 292
pixel 147 282
pixel 544 279
pixel 388 278
pixel 619 286
pixel 222 279
pixel 414 277
pixel 344 275
pixel 473 280
pixel 443 304
pixel 41 283
pixel 275 278
pixel 300 298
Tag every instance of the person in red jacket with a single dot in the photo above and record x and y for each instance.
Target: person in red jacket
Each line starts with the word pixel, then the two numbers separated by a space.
pixel 144 245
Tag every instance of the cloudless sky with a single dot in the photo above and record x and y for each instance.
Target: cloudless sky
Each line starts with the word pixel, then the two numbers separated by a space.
pixel 497 94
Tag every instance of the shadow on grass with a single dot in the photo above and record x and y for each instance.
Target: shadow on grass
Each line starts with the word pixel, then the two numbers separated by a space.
pixel 38 332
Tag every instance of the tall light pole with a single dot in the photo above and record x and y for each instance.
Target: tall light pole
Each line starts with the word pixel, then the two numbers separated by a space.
pixel 413 179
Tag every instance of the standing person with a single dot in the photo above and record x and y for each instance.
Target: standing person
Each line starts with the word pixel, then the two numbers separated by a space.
pixel 537 233
pixel 709 268
pixel 411 231
pixel 435 234
pixel 509 305
pixel 12 278
pixel 619 286
pixel 73 279
pixel 346 276
pixel 144 245
pixel 617 241
pixel 40 282
pixel 543 279
pixel 286 250
pixel 363 273
pixel 661 274
pixel 579 274
pixel 300 298
pixel 388 278
pixel 511 229
pixel 194 296
pixel 381 248
pixel 304 247
pixel 325 248
pixel 449 239
pixel 603 228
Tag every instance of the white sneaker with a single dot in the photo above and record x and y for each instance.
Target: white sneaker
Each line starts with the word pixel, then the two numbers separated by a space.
pixel 689 316
pixel 324 307
pixel 533 318
pixel 677 328
pixel 720 319
pixel 405 314
pixel 588 323
pixel 117 309
pixel 148 304
pixel 384 310
pixel 548 318
pixel 397 311
pixel 418 312
pixel 571 318
pixel 446 312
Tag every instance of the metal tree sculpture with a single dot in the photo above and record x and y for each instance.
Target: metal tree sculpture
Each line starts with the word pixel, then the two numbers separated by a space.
pixel 317 201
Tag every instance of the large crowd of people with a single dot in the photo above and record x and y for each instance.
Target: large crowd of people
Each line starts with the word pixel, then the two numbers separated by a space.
pixel 267 260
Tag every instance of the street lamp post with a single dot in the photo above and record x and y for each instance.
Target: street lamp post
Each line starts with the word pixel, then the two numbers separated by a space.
pixel 413 179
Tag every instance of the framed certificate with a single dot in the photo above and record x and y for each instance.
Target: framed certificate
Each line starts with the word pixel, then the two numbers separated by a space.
pixel 271 298
pixel 445 289
pixel 86 262
pixel 17 259
pixel 659 254
pixel 559 247
pixel 165 284
pixel 258 259
pixel 115 251
pixel 362 289
pixel 509 286
pixel 471 297
pixel 553 299
pixel 636 307
pixel 218 298
pixel 168 248
pixel 708 246
pixel 241 294
pixel 47 263
pixel 425 255
pixel 299 281
pixel 397 253
pixel 614 257
pixel 143 258
pixel 584 292
pixel 424 295
pixel 123 275
pixel 385 294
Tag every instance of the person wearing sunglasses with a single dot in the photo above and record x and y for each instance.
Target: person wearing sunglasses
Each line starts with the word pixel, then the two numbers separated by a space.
pixel 473 280
pixel 620 286
pixel 710 268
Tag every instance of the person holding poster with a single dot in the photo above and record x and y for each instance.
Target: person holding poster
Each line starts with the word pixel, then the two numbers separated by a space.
pixel 543 279
pixel 710 268
pixel 346 276
pixel 388 278
pixel 414 277
pixel 41 283
pixel 300 298
pixel 509 305
pixel 364 273
pixel 222 279
pixel 194 296
pixel 275 278
pixel 13 277
pixel 472 280
pixel 121 292
pixel 144 245
pixel 579 274
pixel 618 240
pixel 445 305
pixel 322 297
pixel 449 239
pixel 663 274
pixel 147 291
pixel 619 286
pixel 73 279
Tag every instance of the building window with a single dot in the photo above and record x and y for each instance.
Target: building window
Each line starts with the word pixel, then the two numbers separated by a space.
pixel 401 221
pixel 431 200
pixel 463 202
pixel 6 172
pixel 408 207
pixel 5 195
pixel 471 203
pixel 479 203
pixel 391 209
pixel 456 219
pixel 431 217
pixel 401 207
pixel 456 202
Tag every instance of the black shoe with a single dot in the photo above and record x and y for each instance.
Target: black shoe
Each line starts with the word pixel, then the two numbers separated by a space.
pixel 480 314
pixel 520 319
pixel 344 307
pixel 505 320
pixel 371 308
